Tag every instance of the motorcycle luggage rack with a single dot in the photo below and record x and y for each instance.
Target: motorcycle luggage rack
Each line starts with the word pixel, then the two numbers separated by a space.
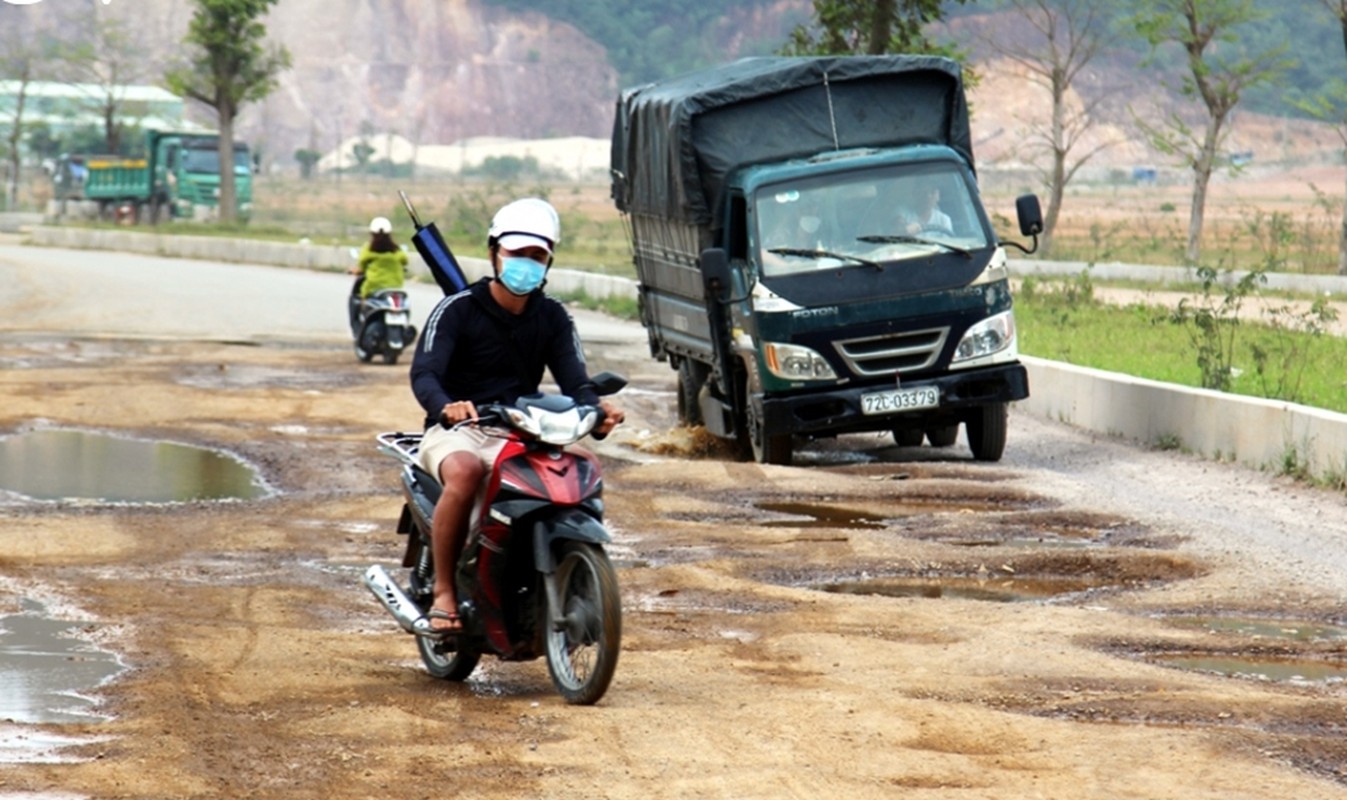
pixel 405 447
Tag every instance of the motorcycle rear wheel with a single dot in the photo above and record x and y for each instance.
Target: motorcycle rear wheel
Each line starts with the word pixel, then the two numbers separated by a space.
pixel 582 656
pixel 446 664
pixel 451 659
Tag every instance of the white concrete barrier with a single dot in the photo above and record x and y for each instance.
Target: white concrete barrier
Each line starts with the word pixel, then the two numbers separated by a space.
pixel 1253 431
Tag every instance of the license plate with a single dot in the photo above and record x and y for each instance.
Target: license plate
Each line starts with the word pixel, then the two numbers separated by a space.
pixel 900 400
pixel 398 318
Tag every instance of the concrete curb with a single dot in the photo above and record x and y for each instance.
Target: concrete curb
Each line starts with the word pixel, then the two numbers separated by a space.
pixel 1259 433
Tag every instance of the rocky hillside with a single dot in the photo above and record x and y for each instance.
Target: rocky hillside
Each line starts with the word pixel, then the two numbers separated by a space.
pixel 436 72
pixel 433 71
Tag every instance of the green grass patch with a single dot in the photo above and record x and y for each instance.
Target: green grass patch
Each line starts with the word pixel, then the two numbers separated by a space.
pixel 1067 324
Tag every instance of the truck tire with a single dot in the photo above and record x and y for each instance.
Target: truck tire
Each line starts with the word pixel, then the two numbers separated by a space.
pixel 907 437
pixel 987 432
pixel 944 436
pixel 767 449
pixel 690 382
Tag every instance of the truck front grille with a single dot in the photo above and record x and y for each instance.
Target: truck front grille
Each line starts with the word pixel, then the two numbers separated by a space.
pixel 898 352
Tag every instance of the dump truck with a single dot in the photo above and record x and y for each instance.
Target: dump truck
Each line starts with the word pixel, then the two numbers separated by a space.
pixel 812 253
pixel 178 178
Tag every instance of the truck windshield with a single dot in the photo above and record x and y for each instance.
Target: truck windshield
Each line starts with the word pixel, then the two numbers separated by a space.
pixel 867 219
pixel 207 161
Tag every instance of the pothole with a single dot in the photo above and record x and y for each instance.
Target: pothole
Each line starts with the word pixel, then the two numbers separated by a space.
pixel 73 465
pixel 1278 669
pixel 1295 630
pixel 1042 576
pixel 997 589
pixel 45 670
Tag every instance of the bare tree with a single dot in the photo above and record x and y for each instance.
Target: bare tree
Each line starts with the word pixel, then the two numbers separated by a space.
pixel 105 57
pixel 20 57
pixel 1067 35
pixel 1218 72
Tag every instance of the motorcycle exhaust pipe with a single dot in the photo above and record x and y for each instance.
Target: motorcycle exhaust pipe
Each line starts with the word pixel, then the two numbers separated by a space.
pixel 383 587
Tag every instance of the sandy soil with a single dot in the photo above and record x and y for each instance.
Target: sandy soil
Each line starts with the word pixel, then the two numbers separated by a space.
pixel 758 660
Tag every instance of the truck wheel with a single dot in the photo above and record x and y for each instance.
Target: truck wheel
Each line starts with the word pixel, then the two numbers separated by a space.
pixel 767 449
pixel 943 436
pixel 907 437
pixel 987 432
pixel 689 386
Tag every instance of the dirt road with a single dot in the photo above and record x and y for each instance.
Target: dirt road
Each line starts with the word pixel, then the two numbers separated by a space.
pixel 873 622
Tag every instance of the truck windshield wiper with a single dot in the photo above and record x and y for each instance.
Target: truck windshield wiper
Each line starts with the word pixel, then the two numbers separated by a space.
pixel 806 253
pixel 898 239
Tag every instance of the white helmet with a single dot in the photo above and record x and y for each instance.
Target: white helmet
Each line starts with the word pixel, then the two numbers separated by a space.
pixel 530 222
pixel 380 225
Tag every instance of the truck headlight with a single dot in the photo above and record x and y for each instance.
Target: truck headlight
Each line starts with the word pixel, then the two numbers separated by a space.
pixel 991 335
pixel 795 363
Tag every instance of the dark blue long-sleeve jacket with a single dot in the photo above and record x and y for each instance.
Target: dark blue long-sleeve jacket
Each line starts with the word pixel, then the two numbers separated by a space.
pixel 472 349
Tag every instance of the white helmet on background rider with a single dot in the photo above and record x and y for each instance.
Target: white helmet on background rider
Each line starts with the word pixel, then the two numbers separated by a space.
pixel 380 225
pixel 530 222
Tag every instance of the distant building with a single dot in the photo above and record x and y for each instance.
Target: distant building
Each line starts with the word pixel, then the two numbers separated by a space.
pixel 69 106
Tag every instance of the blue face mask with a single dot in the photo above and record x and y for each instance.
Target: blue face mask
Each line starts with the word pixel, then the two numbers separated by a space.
pixel 521 275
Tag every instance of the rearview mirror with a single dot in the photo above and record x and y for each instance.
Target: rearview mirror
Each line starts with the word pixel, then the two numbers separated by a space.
pixel 1030 214
pixel 606 383
pixel 715 265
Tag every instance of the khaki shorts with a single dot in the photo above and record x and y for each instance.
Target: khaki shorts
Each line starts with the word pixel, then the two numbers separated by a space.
pixel 439 442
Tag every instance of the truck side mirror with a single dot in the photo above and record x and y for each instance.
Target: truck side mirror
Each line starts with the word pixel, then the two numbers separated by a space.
pixel 715 265
pixel 1030 214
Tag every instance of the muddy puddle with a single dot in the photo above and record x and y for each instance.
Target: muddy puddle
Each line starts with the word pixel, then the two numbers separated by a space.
pixel 48 674
pixel 1259 628
pixel 991 588
pixel 76 465
pixel 1278 669
pixel 47 669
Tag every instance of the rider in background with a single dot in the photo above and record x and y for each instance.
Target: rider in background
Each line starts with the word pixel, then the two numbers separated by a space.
pixel 381 265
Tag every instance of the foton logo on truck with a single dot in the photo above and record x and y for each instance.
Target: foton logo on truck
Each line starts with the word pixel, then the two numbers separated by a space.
pixel 806 229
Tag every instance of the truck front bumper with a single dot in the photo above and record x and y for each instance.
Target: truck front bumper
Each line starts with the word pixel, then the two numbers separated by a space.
pixel 828 412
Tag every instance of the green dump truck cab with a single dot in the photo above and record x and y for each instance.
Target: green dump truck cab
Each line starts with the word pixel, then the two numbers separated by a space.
pixel 813 255
pixel 178 178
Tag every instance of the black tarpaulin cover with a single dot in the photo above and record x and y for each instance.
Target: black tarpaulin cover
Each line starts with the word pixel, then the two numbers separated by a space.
pixel 675 141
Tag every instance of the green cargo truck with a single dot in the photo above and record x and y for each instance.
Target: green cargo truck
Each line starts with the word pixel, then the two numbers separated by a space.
pixel 179 178
pixel 812 252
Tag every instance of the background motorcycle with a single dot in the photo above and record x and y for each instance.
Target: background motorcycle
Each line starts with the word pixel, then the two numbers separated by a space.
pixel 380 323
pixel 534 579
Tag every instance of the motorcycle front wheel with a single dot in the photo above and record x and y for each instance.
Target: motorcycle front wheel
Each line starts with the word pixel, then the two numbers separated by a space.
pixel 582 655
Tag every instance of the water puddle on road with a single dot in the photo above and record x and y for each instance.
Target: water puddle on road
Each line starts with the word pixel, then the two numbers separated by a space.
pixel 814 515
pixel 996 589
pixel 46 673
pixel 1263 668
pixel 61 465
pixel 1287 629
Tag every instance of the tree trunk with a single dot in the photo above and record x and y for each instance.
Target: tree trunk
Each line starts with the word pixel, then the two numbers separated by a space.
pixel 1342 242
pixel 15 136
pixel 1057 184
pixel 1202 169
pixel 227 206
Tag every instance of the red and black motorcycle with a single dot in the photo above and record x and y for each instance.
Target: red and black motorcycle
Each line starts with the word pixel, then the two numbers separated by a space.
pixel 534 579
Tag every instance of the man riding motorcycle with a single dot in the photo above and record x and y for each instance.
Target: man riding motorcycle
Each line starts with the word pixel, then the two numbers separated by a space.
pixel 490 343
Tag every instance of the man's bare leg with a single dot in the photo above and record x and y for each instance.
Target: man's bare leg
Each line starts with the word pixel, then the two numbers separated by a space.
pixel 460 474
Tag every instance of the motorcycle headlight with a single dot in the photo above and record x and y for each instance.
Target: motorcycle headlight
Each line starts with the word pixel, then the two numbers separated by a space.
pixel 554 427
pixel 988 337
pixel 795 363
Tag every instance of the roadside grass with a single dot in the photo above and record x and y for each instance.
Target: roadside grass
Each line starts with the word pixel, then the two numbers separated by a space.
pixel 1062 323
